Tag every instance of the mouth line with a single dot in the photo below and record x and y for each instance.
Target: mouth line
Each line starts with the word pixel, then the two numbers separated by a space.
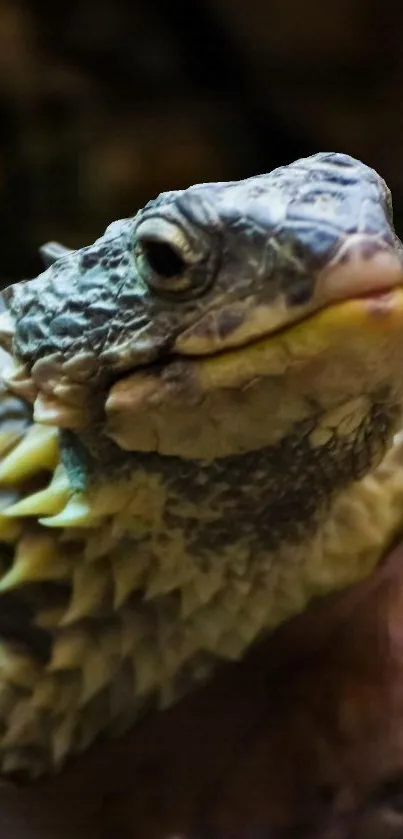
pixel 380 303
pixel 381 294
pixel 381 297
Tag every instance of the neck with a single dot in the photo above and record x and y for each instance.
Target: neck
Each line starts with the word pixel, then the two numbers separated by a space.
pixel 253 537
pixel 255 501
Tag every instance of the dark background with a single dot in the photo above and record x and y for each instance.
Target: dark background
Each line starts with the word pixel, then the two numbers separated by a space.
pixel 104 103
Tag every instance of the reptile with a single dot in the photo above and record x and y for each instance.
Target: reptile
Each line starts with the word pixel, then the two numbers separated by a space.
pixel 200 425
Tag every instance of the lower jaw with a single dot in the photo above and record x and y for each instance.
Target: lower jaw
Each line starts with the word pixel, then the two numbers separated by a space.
pixel 375 320
pixel 242 400
pixel 321 343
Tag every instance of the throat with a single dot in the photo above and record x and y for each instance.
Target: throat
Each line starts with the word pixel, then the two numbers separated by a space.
pixel 188 563
pixel 250 503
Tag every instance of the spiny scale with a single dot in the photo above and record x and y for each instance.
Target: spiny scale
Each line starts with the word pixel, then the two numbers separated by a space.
pixel 37 451
pixel 120 626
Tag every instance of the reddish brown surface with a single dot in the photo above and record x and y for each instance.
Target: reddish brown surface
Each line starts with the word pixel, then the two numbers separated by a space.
pixel 295 744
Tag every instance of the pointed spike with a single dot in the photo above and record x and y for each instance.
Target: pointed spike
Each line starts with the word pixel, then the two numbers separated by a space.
pixel 47 501
pixel 91 583
pixel 57 693
pixel 52 251
pixel 76 513
pixel 163 580
pixel 37 450
pixel 107 499
pixel 37 558
pixel 174 652
pixel 99 668
pixel 134 629
pixel 92 723
pixel 128 571
pixel 248 628
pixel 231 646
pixel 147 667
pixel 200 591
pixel 69 650
pixel 168 694
pixel 258 609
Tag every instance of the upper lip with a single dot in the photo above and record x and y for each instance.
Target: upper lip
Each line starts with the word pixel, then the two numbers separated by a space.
pixel 351 276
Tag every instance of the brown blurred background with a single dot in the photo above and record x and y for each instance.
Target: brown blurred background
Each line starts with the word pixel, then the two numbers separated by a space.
pixel 104 103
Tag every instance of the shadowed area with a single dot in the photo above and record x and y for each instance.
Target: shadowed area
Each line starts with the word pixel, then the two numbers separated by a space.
pixel 319 756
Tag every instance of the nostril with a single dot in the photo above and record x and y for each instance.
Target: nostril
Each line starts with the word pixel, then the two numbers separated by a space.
pixel 300 291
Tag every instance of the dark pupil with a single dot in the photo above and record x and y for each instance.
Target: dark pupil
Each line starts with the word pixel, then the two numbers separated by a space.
pixel 163 259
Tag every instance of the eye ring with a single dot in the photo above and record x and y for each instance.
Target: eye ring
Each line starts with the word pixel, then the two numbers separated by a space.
pixel 168 260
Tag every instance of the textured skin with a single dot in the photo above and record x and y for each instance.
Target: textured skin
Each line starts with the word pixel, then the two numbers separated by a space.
pixel 302 740
pixel 216 387
pixel 259 241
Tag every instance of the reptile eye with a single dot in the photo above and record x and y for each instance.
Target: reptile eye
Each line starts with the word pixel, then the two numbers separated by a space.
pixel 163 259
pixel 168 259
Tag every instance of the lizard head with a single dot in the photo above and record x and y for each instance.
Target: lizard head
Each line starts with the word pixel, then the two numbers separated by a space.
pixel 214 384
pixel 220 317
pixel 238 345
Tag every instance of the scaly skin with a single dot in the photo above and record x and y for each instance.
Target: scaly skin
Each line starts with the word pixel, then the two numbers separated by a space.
pixel 216 389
